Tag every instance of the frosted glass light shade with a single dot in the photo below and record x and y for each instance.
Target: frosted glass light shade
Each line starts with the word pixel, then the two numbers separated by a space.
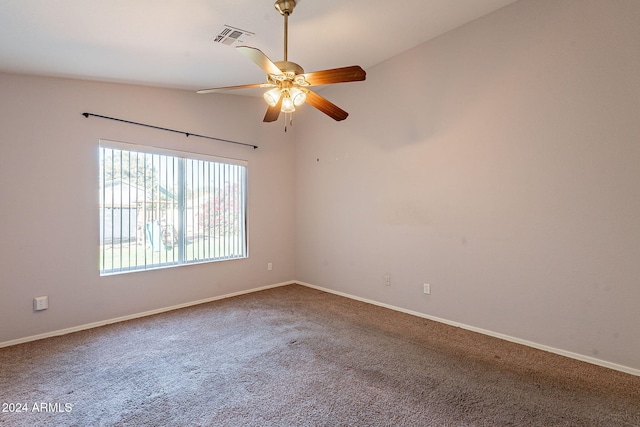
pixel 298 96
pixel 272 96
pixel 287 105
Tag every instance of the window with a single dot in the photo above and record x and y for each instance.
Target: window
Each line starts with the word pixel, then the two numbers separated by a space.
pixel 161 208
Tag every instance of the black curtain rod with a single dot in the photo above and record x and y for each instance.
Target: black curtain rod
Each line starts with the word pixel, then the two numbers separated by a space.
pixel 187 134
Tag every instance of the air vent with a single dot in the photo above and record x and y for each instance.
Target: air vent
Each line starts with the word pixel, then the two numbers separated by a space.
pixel 232 36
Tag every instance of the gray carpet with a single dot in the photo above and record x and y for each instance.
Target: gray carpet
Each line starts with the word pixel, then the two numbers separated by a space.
pixel 294 356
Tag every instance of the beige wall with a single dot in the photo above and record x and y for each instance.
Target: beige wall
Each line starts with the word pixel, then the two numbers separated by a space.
pixel 500 163
pixel 48 195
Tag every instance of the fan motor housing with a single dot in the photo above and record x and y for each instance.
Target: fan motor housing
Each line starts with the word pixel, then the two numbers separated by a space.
pixel 288 66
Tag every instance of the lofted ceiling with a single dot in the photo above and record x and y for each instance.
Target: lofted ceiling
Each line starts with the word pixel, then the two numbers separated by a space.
pixel 170 43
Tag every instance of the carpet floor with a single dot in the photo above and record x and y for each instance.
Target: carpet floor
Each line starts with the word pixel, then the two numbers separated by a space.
pixel 295 356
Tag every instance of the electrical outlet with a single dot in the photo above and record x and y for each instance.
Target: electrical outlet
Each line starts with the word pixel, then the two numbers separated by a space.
pixel 269 266
pixel 427 288
pixel 40 303
pixel 387 280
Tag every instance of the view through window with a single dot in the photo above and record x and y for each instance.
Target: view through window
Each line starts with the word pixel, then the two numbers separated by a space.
pixel 161 208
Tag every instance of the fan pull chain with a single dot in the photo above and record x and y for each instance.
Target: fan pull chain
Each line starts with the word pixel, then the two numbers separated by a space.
pixel 288 117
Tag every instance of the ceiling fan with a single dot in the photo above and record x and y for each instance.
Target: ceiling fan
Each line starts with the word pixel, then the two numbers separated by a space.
pixel 288 83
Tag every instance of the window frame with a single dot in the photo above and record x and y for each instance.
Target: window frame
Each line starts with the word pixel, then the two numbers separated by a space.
pixel 221 188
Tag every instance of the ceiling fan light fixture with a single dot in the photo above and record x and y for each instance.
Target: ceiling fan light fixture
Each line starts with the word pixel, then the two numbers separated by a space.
pixel 287 104
pixel 272 96
pixel 298 96
pixel 288 84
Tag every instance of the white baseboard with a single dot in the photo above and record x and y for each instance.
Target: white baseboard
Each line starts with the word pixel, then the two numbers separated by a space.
pixel 561 352
pixel 135 316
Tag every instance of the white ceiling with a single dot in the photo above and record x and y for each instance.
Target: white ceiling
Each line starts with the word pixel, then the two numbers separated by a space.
pixel 169 43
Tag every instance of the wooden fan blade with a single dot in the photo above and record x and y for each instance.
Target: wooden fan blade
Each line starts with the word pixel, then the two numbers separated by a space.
pixel 336 75
pixel 216 89
pixel 260 59
pixel 273 113
pixel 326 107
